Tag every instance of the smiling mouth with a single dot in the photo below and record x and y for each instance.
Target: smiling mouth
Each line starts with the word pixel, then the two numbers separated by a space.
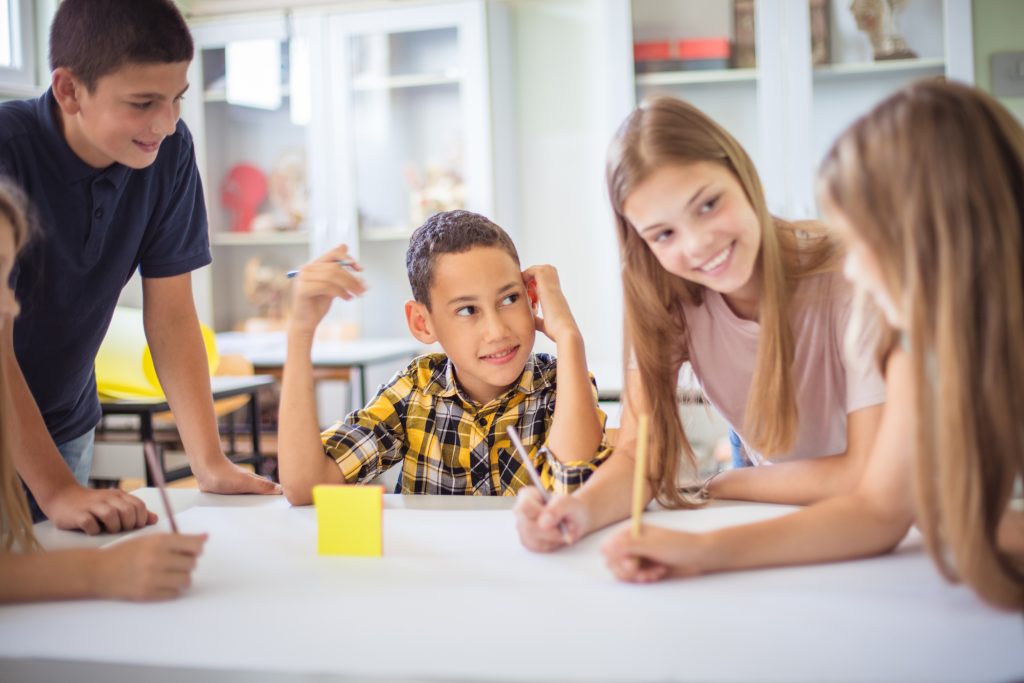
pixel 501 355
pixel 148 146
pixel 718 259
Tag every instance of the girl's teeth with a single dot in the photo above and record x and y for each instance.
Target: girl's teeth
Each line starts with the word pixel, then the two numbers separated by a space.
pixel 718 260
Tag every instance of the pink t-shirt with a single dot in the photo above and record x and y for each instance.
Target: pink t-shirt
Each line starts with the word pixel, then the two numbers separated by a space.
pixel 723 351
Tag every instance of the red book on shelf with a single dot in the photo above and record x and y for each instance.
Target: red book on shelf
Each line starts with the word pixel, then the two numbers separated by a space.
pixel 703 48
pixel 652 50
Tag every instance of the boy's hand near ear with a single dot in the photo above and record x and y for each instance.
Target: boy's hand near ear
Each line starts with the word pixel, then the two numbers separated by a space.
pixel 318 283
pixel 543 287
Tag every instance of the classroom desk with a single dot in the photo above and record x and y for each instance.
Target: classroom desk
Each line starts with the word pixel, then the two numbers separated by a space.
pixel 455 597
pixel 223 386
pixel 267 352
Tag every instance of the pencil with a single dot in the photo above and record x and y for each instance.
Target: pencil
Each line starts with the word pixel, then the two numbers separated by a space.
pixel 343 264
pixel 534 475
pixel 158 477
pixel 639 474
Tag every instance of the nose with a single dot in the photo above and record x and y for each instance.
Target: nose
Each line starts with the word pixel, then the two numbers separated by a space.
pixel 695 245
pixel 166 120
pixel 496 327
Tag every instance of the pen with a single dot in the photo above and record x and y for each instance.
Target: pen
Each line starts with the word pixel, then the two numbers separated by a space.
pixel 534 476
pixel 158 477
pixel 343 264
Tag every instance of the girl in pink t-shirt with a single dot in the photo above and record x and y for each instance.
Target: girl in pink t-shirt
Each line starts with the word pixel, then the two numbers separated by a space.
pixel 756 304
pixel 927 192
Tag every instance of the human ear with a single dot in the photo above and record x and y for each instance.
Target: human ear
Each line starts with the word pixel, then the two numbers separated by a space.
pixel 66 89
pixel 420 325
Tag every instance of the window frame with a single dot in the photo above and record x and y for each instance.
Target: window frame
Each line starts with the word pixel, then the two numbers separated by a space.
pixel 21 79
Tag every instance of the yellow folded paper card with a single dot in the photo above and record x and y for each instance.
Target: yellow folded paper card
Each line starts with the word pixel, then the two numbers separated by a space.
pixel 124 363
pixel 349 520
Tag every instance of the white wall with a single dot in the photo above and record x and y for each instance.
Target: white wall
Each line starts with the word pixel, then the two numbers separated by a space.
pixel 567 110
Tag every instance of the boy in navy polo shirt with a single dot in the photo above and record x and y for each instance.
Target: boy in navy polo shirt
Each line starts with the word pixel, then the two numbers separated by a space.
pixel 111 173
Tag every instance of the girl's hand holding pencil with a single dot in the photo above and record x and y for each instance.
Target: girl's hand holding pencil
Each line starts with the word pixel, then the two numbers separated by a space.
pixel 539 524
pixel 642 554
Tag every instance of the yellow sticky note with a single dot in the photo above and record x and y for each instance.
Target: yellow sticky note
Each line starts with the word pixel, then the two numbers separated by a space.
pixel 349 519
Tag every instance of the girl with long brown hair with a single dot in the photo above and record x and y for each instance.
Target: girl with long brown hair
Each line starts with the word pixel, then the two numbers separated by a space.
pixel 153 567
pixel 755 304
pixel 927 192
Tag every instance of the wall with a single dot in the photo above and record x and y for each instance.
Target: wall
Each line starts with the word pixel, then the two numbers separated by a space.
pixel 567 110
pixel 998 27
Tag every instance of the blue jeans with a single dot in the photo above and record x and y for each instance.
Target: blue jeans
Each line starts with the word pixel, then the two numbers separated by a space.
pixel 739 457
pixel 77 453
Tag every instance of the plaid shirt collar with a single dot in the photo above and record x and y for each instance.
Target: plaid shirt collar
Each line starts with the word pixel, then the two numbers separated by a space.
pixel 443 383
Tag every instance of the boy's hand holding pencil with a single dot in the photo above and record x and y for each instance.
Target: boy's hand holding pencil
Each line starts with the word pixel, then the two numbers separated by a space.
pixel 318 283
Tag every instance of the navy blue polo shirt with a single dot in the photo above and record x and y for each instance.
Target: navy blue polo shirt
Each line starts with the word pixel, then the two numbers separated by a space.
pixel 95 228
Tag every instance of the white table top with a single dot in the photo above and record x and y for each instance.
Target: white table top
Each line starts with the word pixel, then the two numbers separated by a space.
pixel 455 597
pixel 269 349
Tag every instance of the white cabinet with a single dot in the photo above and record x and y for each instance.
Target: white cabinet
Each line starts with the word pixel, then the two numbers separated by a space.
pixel 248 109
pixel 786 110
pixel 409 117
pixel 389 115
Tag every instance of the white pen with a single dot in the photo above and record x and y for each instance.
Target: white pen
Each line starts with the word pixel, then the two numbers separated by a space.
pixel 534 476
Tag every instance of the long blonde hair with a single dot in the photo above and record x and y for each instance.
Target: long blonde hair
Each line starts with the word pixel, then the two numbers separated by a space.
pixel 665 131
pixel 933 181
pixel 15 521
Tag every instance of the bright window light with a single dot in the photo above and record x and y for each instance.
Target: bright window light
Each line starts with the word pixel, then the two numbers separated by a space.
pixel 254 73
pixel 6 56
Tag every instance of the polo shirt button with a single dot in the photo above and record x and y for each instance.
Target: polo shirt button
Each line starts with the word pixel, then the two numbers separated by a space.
pixel 98 213
pixel 482 421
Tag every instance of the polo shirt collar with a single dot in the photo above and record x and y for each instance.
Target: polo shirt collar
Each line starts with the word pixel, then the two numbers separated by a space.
pixel 72 167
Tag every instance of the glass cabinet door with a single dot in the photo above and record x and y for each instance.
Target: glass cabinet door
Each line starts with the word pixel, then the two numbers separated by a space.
pixel 704 52
pixel 250 124
pixel 413 129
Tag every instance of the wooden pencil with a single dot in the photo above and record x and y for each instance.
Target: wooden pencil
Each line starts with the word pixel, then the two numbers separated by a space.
pixel 639 473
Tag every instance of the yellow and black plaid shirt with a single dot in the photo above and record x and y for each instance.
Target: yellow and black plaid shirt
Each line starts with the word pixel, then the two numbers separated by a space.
pixel 448 444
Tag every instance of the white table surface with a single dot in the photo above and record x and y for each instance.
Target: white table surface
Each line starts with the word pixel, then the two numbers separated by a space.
pixel 455 597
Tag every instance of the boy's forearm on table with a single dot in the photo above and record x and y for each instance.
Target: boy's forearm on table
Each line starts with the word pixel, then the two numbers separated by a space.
pixel 179 356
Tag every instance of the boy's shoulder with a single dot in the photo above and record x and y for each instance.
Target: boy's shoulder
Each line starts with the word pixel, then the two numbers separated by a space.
pixel 18 118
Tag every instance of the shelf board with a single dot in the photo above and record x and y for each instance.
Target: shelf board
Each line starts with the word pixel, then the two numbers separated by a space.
pixel 221 95
pixel 712 76
pixel 398 82
pixel 709 76
pixel 894 66
pixel 257 239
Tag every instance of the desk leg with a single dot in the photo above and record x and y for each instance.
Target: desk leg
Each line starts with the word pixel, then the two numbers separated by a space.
pixel 146 431
pixel 362 387
pixel 254 427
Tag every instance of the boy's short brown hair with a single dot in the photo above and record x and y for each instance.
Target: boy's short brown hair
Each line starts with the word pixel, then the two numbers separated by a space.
pixel 93 38
pixel 449 232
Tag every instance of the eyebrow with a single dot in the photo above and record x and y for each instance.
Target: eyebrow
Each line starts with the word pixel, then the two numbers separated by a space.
pixel 471 299
pixel 157 95
pixel 693 198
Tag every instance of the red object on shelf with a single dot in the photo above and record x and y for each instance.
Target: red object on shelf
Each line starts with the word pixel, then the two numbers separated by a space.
pixel 652 50
pixel 243 190
pixel 703 48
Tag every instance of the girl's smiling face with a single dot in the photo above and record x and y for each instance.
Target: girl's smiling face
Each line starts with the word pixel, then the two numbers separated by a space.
pixel 699 224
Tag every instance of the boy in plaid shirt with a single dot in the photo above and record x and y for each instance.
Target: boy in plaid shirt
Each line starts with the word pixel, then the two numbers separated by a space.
pixel 443 418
